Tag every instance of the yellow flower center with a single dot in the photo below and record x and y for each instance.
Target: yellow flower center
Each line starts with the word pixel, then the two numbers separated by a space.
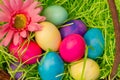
pixel 20 21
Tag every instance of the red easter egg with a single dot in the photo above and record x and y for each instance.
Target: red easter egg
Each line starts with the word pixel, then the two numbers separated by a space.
pixel 72 48
pixel 28 53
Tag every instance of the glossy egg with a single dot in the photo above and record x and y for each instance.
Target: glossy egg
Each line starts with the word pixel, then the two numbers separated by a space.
pixel 48 37
pixel 91 72
pixel 72 48
pixel 29 53
pixel 73 27
pixel 51 66
pixel 95 41
pixel 55 14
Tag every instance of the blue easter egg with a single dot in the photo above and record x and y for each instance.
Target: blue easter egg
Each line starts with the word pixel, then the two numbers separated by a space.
pixel 51 66
pixel 73 27
pixel 55 14
pixel 95 42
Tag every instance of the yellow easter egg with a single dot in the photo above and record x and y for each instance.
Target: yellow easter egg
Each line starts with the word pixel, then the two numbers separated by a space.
pixel 91 72
pixel 48 37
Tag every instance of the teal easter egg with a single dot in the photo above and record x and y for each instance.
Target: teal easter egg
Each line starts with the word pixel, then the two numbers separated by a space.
pixel 51 66
pixel 95 42
pixel 55 14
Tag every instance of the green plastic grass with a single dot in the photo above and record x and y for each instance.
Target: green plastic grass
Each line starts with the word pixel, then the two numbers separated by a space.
pixel 95 14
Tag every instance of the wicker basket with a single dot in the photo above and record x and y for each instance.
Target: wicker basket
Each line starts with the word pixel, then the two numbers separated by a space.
pixel 117 36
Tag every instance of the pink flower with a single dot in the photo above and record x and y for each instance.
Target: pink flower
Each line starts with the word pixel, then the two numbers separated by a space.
pixel 20 18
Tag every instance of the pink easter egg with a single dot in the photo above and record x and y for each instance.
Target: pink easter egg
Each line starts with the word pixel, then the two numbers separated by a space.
pixel 72 48
pixel 29 53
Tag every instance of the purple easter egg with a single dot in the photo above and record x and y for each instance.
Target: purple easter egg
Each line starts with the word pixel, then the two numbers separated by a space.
pixel 73 27
pixel 18 74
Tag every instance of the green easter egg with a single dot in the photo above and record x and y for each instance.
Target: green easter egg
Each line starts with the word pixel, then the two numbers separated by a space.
pixel 55 14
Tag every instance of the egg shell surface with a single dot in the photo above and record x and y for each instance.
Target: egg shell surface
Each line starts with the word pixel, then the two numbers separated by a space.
pixel 95 42
pixel 48 37
pixel 72 48
pixel 73 27
pixel 50 66
pixel 92 70
pixel 28 53
pixel 55 14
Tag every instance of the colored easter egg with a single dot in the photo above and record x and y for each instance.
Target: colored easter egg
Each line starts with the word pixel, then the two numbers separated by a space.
pixel 72 48
pixel 18 74
pixel 55 14
pixel 91 71
pixel 48 37
pixel 51 66
pixel 95 41
pixel 73 27
pixel 28 53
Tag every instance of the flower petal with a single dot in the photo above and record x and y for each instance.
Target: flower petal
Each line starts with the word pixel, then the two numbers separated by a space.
pixel 2 34
pixel 31 8
pixel 34 27
pixel 38 18
pixel 16 38
pixel 13 4
pixel 23 34
pixel 37 11
pixel 27 3
pixel 34 5
pixel 19 3
pixel 4 27
pixel 8 38
pixel 2 13
pixel 3 31
pixel 4 17
pixel 7 4
pixel 5 9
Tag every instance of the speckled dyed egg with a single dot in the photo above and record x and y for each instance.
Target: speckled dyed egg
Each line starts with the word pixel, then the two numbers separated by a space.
pixel 55 14
pixel 73 27
pixel 95 42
